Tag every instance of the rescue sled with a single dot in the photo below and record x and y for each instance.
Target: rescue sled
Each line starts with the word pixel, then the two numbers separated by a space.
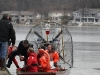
pixel 59 36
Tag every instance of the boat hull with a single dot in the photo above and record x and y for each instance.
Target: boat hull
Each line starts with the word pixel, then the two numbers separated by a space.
pixel 36 73
pixel 53 72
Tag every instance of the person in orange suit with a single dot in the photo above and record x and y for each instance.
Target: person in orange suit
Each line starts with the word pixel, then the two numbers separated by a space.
pixel 31 62
pixel 54 56
pixel 43 61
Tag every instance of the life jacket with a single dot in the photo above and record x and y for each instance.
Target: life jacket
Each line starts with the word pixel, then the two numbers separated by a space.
pixel 44 61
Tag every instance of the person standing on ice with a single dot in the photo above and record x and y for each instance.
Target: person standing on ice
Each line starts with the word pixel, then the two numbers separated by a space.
pixel 6 32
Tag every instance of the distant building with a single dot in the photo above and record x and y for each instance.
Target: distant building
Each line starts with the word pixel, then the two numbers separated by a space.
pixel 87 16
pixel 13 14
pixel 26 16
pixel 56 15
pixel 23 17
pixel 40 16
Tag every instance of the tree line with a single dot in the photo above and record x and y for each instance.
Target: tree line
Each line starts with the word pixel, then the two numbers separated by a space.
pixel 44 6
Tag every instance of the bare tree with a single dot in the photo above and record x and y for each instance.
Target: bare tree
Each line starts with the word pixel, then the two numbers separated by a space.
pixel 45 6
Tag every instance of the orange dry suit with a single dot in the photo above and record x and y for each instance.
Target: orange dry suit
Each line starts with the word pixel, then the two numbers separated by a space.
pixel 44 62
pixel 54 56
pixel 31 63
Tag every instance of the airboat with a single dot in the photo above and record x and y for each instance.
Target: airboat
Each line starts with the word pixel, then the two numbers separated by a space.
pixel 59 36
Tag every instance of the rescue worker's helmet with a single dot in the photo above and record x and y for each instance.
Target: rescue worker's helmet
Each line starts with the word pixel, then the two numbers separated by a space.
pixel 41 51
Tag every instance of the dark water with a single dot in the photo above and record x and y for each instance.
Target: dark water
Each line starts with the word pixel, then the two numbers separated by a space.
pixel 86 45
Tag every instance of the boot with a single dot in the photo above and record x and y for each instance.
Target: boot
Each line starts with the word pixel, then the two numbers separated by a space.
pixel 9 64
pixel 3 68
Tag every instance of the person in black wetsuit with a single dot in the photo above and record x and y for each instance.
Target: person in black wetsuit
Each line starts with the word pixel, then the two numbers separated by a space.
pixel 21 51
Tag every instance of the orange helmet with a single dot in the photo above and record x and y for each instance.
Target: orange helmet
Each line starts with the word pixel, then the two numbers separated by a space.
pixel 41 51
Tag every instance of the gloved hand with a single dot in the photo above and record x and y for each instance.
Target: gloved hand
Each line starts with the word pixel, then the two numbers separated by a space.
pixel 23 69
pixel 55 64
pixel 21 58
pixel 18 69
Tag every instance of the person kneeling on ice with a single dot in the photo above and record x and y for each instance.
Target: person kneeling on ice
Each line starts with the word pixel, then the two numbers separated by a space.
pixel 9 53
pixel 21 51
pixel 31 62
pixel 43 61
